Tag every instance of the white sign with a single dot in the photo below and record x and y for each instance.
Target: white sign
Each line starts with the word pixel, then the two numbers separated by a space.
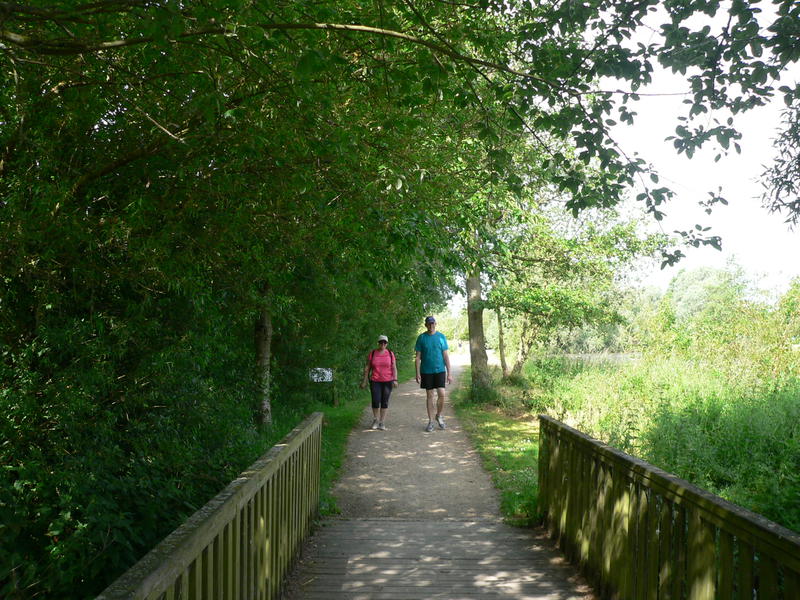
pixel 320 375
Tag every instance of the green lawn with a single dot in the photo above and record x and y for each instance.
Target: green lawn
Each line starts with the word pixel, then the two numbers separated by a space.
pixel 509 448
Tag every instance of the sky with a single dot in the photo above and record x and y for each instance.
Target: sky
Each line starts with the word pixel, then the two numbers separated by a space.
pixel 760 242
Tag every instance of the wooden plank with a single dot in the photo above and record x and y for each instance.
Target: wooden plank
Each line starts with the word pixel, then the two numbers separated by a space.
pixel 250 551
pixel 727 567
pixel 640 550
pixel 745 572
pixel 207 573
pixel 236 550
pixel 294 508
pixel 184 585
pixel 791 585
pixel 227 562
pixel 767 578
pixel 666 552
pixel 261 546
pixel 680 540
pixel 607 526
pixel 586 501
pixel 701 582
pixel 416 560
pixel 195 581
pixel 283 511
pixel 651 541
pixel 627 536
pixel 570 512
pixel 594 509
pixel 272 520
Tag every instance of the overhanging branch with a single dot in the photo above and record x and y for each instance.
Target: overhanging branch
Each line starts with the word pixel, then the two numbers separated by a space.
pixel 73 46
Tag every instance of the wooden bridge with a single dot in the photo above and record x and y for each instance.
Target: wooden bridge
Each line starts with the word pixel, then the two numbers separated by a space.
pixel 630 530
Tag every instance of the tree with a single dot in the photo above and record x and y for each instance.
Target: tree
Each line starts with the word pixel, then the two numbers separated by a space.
pixel 564 279
pixel 541 64
pixel 477 340
pixel 782 178
pixel 177 176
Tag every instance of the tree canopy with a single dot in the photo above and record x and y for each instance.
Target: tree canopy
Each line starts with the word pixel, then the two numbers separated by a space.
pixel 179 178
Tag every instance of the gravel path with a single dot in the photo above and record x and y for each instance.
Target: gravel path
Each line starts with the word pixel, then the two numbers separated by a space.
pixel 407 473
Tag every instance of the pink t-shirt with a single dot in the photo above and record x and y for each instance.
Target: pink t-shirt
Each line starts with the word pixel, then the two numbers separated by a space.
pixel 381 364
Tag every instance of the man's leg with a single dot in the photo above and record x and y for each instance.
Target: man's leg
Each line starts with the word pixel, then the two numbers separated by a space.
pixel 440 393
pixel 429 395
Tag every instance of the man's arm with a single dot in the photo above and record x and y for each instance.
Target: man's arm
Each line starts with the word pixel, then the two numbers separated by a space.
pixel 446 357
pixel 417 361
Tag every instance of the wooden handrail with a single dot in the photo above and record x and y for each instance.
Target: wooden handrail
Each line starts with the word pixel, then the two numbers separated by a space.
pixel 243 541
pixel 639 532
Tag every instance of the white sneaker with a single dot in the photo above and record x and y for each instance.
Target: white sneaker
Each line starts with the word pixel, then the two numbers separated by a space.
pixel 440 421
pixel 430 426
pixel 374 423
pixel 381 426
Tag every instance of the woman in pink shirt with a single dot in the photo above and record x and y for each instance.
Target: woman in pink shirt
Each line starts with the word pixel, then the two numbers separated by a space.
pixel 383 365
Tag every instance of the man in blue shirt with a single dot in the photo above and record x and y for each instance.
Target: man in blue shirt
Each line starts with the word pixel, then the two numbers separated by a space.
pixel 433 369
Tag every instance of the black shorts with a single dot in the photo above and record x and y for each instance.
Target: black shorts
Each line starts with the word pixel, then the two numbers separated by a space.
pixel 381 390
pixel 432 381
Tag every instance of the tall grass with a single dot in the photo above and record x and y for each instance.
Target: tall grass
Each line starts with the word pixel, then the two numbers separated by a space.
pixel 738 441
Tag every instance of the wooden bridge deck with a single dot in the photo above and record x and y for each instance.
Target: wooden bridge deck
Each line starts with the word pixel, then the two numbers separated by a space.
pixel 410 560
pixel 420 519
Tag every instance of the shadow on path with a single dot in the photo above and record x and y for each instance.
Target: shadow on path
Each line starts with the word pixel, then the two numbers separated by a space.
pixel 420 519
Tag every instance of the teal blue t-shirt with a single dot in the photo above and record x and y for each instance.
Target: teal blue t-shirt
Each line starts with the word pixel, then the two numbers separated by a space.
pixel 431 347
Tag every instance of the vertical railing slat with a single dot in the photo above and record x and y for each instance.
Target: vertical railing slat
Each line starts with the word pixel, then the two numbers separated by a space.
pixel 273 541
pixel 207 576
pixel 641 547
pixel 702 556
pixel 767 578
pixel 666 552
pixel 651 541
pixel 745 572
pixel 185 584
pixel 791 585
pixel 227 563
pixel 726 565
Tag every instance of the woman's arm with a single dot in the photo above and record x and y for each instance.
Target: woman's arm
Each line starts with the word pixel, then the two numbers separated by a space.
pixel 366 375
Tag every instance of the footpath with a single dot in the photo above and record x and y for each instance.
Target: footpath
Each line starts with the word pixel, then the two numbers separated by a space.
pixel 420 519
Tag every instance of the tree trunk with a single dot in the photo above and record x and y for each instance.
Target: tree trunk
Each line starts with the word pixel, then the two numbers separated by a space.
pixel 501 345
pixel 526 341
pixel 477 339
pixel 263 339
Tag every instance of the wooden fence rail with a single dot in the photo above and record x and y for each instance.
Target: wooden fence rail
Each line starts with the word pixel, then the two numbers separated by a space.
pixel 639 533
pixel 240 544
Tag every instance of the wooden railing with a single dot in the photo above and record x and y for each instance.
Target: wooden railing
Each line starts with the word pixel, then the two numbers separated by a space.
pixel 240 544
pixel 639 533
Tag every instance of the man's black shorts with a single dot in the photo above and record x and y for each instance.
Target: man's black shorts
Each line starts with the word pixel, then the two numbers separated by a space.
pixel 431 381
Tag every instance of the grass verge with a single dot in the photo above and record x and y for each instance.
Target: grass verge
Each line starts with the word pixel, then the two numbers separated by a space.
pixel 509 448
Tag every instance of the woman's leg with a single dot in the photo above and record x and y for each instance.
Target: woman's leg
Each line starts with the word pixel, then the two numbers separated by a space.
pixel 377 394
pixel 387 392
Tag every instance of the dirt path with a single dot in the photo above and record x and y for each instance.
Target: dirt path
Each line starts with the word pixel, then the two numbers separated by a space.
pixel 407 473
pixel 420 521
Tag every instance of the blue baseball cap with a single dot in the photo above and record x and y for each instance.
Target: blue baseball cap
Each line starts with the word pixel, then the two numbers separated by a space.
pixel 429 320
